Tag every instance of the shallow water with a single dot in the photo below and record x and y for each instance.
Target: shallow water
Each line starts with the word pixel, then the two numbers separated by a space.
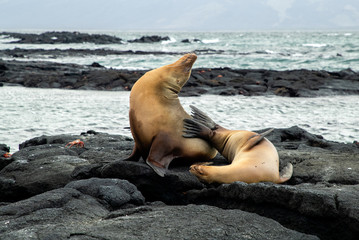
pixel 30 112
pixel 331 51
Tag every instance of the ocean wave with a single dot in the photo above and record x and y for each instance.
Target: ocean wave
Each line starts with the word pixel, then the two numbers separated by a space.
pixel 209 41
pixel 315 45
pixel 172 40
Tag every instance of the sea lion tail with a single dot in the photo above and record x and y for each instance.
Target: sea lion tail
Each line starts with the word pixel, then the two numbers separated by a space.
pixel 194 129
pixel 286 173
pixel 202 118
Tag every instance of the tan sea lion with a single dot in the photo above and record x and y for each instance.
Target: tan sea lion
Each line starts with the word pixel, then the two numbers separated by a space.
pixel 253 157
pixel 156 118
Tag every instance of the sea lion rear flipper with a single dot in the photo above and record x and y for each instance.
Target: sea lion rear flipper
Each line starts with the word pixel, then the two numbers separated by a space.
pixel 286 173
pixel 202 118
pixel 257 138
pixel 194 129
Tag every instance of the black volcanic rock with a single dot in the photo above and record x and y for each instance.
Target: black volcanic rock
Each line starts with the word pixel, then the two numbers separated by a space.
pixel 219 81
pixel 62 37
pixel 149 39
pixel 92 187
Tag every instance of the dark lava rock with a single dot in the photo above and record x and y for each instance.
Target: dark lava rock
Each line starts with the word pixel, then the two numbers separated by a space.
pixel 66 213
pixel 221 81
pixel 49 191
pixel 4 147
pixel 62 37
pixel 69 76
pixel 4 159
pixel 115 192
pixel 191 41
pixel 95 64
pixel 149 39
pixel 328 211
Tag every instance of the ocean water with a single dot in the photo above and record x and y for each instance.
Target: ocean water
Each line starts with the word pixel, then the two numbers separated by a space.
pixel 331 51
pixel 28 112
pixel 31 112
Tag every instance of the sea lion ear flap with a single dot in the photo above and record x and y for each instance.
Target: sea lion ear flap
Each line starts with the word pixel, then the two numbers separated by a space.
pixel 257 138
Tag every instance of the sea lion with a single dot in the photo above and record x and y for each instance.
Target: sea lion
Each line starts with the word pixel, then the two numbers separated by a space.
pixel 156 118
pixel 253 158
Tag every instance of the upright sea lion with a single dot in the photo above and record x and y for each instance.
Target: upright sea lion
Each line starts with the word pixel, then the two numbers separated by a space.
pixel 156 118
pixel 253 157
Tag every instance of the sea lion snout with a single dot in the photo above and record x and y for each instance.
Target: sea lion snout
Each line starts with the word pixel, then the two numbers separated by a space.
pixel 186 62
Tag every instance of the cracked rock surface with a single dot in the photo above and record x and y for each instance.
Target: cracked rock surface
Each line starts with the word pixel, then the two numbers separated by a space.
pixel 49 191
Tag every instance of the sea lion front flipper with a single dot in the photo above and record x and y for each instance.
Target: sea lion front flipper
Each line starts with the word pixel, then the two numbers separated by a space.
pixel 202 118
pixel 161 154
pixel 159 170
pixel 257 138
pixel 194 129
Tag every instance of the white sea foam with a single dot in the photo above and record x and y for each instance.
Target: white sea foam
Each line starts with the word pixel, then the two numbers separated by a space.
pixel 29 112
pixel 172 40
pixel 315 45
pixel 209 41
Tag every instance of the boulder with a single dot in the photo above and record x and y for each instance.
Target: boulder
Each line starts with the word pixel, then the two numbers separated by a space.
pixel 115 192
pixel 66 213
pixel 326 210
pixel 149 39
pixel 320 199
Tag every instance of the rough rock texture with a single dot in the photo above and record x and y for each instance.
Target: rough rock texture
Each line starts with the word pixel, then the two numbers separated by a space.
pixel 62 37
pixel 70 218
pixel 149 39
pixel 49 191
pixel 220 81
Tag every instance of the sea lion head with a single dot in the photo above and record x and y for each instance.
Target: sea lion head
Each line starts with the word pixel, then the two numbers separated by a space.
pixel 179 72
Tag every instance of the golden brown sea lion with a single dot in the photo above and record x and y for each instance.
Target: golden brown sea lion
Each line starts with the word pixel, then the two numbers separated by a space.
pixel 253 158
pixel 156 118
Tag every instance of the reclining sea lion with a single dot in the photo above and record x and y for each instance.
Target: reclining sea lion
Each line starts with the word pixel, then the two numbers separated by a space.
pixel 253 157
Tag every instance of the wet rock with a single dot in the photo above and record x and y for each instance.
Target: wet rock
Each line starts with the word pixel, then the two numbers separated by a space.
pixel 195 40
pixel 149 39
pixel 220 81
pixel 320 199
pixel 29 178
pixel 5 157
pixel 169 189
pixel 66 213
pixel 4 148
pixel 96 64
pixel 115 192
pixel 62 37
pixel 318 209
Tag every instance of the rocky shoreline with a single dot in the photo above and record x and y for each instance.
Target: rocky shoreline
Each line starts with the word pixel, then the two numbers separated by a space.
pixel 49 191
pixel 218 81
